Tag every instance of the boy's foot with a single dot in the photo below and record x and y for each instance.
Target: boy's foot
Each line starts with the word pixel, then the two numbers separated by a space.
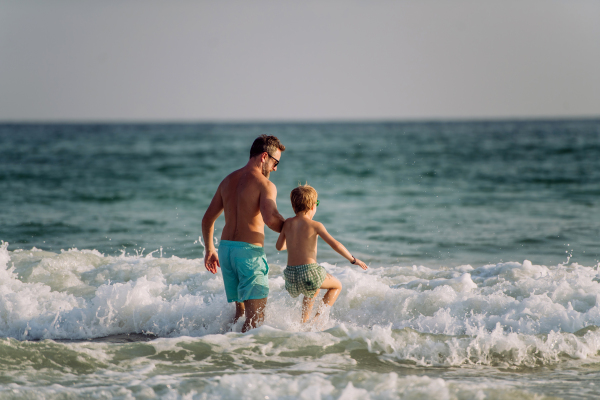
pixel 306 326
pixel 321 318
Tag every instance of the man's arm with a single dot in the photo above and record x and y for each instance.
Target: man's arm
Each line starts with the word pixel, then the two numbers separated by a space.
pixel 268 208
pixel 211 258
pixel 281 244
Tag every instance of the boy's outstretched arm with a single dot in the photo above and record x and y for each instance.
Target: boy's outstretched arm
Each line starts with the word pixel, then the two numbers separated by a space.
pixel 337 246
pixel 281 244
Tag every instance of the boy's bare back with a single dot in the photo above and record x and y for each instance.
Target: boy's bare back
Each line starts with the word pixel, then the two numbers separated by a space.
pixel 301 234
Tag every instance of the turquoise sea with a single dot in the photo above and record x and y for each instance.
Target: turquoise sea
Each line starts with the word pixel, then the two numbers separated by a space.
pixel 482 240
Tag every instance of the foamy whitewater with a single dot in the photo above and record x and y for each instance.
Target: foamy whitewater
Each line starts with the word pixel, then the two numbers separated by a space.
pixel 506 317
pixel 484 278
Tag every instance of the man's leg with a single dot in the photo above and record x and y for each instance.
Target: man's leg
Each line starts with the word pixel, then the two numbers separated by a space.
pixel 239 311
pixel 255 313
pixel 230 279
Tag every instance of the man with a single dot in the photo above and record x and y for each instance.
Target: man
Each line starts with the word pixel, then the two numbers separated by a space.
pixel 249 200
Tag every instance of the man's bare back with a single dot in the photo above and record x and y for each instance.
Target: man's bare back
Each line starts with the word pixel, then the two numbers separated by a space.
pixel 249 201
pixel 241 192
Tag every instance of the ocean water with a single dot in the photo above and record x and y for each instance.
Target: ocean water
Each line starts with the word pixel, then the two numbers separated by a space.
pixel 482 240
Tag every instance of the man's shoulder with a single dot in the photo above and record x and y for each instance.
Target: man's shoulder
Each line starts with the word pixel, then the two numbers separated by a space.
pixel 262 182
pixel 268 184
pixel 232 178
pixel 233 175
pixel 248 179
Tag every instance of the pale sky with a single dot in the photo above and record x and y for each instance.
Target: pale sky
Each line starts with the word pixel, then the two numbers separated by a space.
pixel 284 60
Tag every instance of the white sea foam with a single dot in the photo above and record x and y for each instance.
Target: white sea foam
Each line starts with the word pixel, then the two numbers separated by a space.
pixel 256 386
pixel 512 314
pixel 146 370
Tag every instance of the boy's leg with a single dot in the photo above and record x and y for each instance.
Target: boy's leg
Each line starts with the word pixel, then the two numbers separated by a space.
pixel 307 305
pixel 255 313
pixel 334 287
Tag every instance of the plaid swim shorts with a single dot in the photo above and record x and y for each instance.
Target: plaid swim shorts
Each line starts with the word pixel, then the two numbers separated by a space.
pixel 305 279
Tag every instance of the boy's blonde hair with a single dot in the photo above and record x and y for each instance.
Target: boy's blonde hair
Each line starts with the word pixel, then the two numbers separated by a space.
pixel 303 198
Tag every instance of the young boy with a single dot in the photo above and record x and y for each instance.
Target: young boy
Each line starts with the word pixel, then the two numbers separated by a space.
pixel 303 274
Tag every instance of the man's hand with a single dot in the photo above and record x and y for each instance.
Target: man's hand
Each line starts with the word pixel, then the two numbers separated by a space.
pixel 211 261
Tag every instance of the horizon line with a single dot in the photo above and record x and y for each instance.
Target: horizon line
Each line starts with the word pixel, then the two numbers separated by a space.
pixel 276 121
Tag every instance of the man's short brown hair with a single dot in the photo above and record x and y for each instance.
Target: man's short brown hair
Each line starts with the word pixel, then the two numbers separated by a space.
pixel 263 143
pixel 303 198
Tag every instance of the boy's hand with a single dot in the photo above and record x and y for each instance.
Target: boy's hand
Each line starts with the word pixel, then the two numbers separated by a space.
pixel 361 264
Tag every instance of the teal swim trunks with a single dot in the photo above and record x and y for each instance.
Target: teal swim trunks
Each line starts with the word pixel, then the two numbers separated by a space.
pixel 245 271
pixel 305 279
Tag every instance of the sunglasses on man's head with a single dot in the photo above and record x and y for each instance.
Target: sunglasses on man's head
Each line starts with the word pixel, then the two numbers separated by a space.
pixel 318 203
pixel 276 160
